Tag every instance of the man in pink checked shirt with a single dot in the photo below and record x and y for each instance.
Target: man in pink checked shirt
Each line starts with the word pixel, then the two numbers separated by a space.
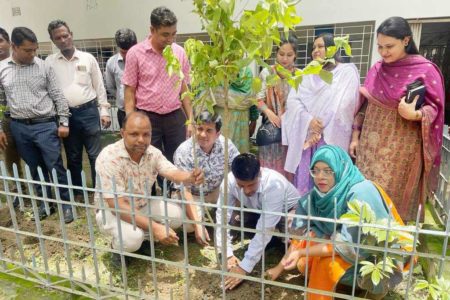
pixel 149 88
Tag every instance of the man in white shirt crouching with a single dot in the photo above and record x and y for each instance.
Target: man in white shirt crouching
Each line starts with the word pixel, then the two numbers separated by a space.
pixel 256 188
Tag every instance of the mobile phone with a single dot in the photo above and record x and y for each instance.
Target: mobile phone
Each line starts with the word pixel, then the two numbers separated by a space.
pixel 414 89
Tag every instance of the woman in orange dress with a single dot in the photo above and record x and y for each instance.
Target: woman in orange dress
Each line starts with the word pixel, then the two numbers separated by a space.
pixel 335 179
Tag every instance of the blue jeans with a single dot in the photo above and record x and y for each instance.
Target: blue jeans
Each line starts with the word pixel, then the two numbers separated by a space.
pixel 84 130
pixel 39 146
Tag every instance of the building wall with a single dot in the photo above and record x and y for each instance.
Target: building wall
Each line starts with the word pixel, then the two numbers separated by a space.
pixel 97 19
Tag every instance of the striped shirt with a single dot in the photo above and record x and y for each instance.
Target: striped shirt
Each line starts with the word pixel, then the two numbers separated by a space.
pixel 145 71
pixel 31 91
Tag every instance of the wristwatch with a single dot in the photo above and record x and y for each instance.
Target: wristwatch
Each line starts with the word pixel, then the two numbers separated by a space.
pixel 65 124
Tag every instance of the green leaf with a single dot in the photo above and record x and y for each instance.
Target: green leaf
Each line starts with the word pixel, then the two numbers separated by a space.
pixel 352 217
pixel 354 206
pixel 388 266
pixel 313 68
pixel 213 63
pixel 433 292
pixel 282 71
pixel 225 5
pixel 326 76
pixel 267 46
pixel 420 285
pixel 380 234
pixel 367 268
pixel 173 66
pixel 331 51
pixel 187 94
pixel 376 276
pixel 256 84
pixel 348 50
pixel 444 284
pixel 272 79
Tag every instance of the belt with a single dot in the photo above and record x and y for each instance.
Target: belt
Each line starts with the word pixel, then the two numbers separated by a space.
pixel 35 120
pixel 85 105
pixel 158 114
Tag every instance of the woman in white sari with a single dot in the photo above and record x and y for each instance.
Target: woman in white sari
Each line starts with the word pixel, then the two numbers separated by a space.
pixel 319 113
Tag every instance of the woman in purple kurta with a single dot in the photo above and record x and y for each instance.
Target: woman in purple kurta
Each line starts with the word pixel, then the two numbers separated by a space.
pixel 319 113
pixel 394 144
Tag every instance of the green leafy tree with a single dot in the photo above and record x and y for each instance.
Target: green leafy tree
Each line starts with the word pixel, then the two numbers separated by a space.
pixel 236 40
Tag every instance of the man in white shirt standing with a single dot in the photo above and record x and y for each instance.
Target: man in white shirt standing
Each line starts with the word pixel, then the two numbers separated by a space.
pixel 80 78
pixel 255 188
pixel 125 39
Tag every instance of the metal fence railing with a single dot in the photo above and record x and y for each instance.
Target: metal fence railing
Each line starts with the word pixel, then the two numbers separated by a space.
pixel 76 257
pixel 114 121
pixel 441 198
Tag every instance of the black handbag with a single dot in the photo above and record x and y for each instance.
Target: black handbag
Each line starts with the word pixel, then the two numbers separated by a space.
pixel 268 133
pixel 412 90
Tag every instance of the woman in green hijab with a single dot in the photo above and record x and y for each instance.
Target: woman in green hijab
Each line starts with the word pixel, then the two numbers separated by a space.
pixel 336 182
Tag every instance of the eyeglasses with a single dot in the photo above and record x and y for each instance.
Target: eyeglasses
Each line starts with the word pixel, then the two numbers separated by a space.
pixel 326 172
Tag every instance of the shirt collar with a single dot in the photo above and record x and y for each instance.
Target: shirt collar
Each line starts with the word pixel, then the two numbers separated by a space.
pixel 10 60
pixel 119 57
pixel 76 55
pixel 261 180
pixel 148 45
pixel 122 151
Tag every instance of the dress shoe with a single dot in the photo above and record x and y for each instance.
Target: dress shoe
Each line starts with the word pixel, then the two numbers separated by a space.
pixel 145 248
pixel 116 261
pixel 16 202
pixel 42 214
pixel 68 216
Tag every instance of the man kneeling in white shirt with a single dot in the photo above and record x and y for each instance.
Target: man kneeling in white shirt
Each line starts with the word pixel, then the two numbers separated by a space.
pixel 255 188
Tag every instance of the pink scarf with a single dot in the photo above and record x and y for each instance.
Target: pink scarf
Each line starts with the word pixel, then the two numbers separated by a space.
pixel 387 84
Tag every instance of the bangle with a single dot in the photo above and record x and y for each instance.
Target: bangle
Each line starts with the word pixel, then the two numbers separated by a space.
pixel 260 103
pixel 263 107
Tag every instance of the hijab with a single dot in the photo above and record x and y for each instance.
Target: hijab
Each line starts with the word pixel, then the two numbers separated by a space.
pixel 346 175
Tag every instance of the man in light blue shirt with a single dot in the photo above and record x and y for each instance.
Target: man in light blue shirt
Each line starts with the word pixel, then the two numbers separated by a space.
pixel 255 188
pixel 125 39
